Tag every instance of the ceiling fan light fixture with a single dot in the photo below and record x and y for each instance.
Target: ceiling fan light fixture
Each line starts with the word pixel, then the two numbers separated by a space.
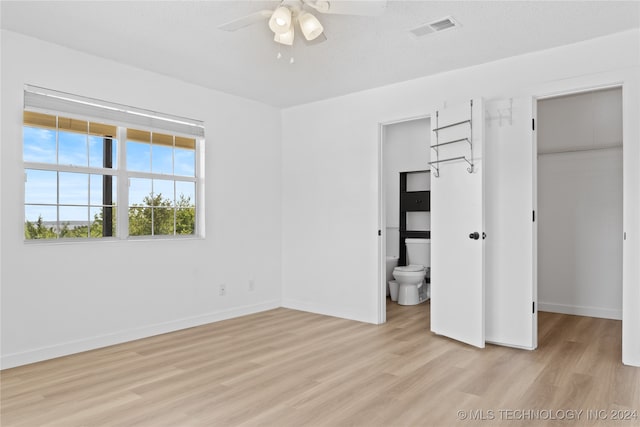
pixel 285 38
pixel 310 26
pixel 280 20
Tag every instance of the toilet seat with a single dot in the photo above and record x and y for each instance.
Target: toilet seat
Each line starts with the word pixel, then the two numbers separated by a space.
pixel 410 268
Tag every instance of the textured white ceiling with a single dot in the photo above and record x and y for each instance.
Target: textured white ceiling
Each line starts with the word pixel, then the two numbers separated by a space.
pixel 181 39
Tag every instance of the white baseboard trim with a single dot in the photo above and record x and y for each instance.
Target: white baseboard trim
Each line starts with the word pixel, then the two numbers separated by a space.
pixel 605 313
pixel 631 362
pixel 503 344
pixel 50 352
pixel 320 309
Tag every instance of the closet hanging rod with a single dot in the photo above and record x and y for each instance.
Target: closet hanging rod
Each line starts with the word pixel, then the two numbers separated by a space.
pixel 451 142
pixel 452 125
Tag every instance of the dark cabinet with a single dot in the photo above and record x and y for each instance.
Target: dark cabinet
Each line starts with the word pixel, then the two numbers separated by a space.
pixel 411 201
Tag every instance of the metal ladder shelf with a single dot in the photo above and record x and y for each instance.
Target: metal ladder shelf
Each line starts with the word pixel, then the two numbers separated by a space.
pixel 440 144
pixel 452 125
pixel 452 142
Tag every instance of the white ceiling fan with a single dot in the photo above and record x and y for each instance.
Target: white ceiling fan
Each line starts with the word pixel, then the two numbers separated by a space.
pixel 283 19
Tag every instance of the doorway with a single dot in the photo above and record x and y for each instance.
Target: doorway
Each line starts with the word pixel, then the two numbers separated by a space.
pixel 580 203
pixel 404 156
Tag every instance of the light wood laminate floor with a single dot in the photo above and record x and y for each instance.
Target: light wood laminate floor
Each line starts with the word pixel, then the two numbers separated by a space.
pixel 290 368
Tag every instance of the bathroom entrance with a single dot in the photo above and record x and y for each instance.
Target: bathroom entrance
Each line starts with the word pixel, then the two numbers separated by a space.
pixel 405 183
pixel 580 204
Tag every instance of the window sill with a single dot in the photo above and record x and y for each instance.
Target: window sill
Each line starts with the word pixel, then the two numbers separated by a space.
pixel 80 241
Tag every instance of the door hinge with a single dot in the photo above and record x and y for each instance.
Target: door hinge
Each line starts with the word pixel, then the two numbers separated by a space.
pixel 534 216
pixel 533 124
pixel 533 308
pixel 379 232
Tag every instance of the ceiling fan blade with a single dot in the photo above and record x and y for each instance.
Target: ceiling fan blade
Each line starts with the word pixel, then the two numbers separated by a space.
pixel 245 21
pixel 349 7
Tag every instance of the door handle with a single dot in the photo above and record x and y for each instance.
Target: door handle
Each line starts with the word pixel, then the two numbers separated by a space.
pixel 475 235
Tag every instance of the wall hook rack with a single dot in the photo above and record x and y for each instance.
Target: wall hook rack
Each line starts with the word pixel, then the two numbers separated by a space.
pixel 501 114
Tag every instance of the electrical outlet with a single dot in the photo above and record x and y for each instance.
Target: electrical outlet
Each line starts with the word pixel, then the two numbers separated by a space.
pixel 252 285
pixel 223 290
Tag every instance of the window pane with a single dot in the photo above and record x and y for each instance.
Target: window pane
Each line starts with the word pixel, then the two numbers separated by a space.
pixel 39 145
pixel 32 118
pixel 138 135
pixel 96 152
pixel 162 139
pixel 138 157
pixel 40 222
pixel 74 188
pixel 114 154
pixel 185 194
pixel 95 190
pixel 74 221
pixel 139 221
pixel 97 184
pixel 185 162
pixel 186 143
pixel 102 130
pixel 100 220
pixel 162 192
pixel 41 187
pixel 140 192
pixel 162 159
pixel 73 125
pixel 186 221
pixel 162 221
pixel 72 149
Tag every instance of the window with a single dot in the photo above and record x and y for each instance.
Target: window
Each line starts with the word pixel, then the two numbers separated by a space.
pixel 162 185
pixel 82 176
pixel 69 183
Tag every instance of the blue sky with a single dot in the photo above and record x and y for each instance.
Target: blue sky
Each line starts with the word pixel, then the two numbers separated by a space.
pixel 75 149
pixel 139 159
pixel 39 145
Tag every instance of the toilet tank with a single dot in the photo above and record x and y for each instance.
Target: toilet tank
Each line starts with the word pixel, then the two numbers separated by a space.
pixel 418 251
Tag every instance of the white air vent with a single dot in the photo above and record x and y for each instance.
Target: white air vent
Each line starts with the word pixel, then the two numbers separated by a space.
pixel 435 26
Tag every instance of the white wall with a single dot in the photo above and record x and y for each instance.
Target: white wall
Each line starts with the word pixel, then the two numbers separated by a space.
pixel 62 298
pixel 406 148
pixel 580 204
pixel 330 171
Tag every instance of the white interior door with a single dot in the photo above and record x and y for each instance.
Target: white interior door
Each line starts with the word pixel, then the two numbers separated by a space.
pixel 457 223
pixel 509 223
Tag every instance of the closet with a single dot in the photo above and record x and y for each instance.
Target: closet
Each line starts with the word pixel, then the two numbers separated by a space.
pixel 579 213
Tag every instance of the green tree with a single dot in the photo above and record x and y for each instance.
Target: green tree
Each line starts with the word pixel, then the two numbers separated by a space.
pixel 155 213
pixel 185 216
pixel 37 230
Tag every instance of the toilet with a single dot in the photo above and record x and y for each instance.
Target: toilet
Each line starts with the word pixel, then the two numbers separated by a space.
pixel 410 279
pixel 392 263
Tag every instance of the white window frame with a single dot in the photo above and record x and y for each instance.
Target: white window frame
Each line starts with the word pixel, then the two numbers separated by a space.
pixel 125 175
pixel 138 118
